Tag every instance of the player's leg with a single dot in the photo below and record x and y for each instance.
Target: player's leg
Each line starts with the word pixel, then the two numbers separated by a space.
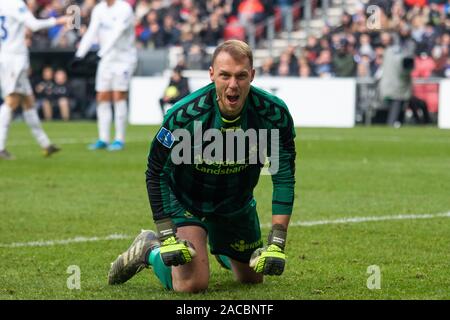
pixel 144 252
pixel 194 276
pixel 104 120
pixel 135 259
pixel 244 274
pixel 120 119
pixel 10 104
pixel 10 71
pixel 234 239
pixel 121 78
pixel 103 87
pixel 242 271
pixel 22 87
pixel 31 118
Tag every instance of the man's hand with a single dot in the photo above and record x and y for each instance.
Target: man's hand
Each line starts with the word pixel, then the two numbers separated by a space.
pixel 176 252
pixel 63 20
pixel 270 260
pixel 173 251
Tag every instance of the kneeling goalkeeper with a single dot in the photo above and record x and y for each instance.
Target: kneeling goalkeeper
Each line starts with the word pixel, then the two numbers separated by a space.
pixel 209 200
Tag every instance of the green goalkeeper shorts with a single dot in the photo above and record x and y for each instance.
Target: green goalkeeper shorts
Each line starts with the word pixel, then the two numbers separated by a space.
pixel 233 236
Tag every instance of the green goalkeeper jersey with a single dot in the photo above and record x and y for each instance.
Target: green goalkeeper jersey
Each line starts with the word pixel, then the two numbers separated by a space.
pixel 197 155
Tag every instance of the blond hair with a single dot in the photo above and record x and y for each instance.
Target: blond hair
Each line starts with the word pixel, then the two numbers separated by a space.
pixel 236 48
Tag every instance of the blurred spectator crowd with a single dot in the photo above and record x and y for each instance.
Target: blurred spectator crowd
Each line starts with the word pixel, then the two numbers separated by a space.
pixel 193 25
pixel 352 48
pixel 54 94
pixel 355 47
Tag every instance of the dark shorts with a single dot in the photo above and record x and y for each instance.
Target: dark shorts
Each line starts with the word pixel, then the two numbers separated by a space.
pixel 233 236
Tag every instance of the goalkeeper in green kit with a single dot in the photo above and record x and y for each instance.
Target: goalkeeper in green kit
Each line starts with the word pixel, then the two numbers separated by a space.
pixel 203 166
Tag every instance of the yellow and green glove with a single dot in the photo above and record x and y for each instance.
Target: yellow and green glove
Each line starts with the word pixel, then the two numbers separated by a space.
pixel 270 260
pixel 173 251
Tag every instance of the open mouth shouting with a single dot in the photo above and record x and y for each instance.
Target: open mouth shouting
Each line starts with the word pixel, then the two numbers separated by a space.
pixel 232 99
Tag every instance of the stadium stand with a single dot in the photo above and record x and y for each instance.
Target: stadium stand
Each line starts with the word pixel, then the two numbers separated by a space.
pixel 314 38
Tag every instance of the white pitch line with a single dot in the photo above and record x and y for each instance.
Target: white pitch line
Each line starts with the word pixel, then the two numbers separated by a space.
pixel 364 219
pixel 48 243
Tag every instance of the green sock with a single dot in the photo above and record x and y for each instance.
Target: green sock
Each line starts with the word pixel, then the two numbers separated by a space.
pixel 162 272
pixel 226 261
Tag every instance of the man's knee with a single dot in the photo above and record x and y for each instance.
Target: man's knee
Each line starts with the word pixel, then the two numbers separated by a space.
pixel 119 95
pixel 244 274
pixel 104 96
pixel 191 285
pixel 192 277
pixel 13 101
pixel 251 280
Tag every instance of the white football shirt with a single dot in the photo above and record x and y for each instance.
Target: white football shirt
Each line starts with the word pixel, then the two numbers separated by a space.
pixel 14 18
pixel 113 28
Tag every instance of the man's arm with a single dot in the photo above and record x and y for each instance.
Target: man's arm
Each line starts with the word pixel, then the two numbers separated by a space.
pixel 270 260
pixel 281 219
pixel 173 251
pixel 284 178
pixel 23 14
pixel 158 168
pixel 89 36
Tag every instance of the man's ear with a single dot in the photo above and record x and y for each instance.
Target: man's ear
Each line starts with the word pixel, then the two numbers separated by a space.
pixel 252 75
pixel 211 73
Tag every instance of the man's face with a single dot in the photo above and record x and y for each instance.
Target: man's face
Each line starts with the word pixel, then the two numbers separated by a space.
pixel 232 78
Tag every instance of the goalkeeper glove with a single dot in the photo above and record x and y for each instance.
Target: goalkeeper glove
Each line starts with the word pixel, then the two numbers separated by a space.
pixel 173 251
pixel 270 260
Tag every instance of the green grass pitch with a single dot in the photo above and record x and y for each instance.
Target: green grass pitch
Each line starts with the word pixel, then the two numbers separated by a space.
pixel 365 173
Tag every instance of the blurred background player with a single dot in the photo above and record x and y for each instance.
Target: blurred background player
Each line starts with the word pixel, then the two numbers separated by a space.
pixel 14 64
pixel 112 24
